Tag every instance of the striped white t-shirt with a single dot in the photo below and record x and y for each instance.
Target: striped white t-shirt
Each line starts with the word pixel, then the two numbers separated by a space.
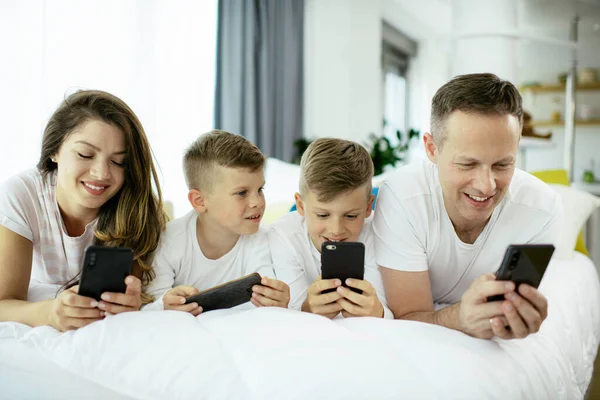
pixel 28 207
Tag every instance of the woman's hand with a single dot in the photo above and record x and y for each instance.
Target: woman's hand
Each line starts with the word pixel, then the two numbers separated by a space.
pixel 72 311
pixel 131 300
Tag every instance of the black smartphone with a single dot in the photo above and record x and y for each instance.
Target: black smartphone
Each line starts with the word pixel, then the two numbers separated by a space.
pixel 342 260
pixel 227 295
pixel 104 270
pixel 524 263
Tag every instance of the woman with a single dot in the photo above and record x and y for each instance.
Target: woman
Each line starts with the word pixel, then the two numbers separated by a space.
pixel 95 183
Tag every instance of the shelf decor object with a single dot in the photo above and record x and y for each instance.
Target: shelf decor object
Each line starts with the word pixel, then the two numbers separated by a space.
pixel 581 122
pixel 558 88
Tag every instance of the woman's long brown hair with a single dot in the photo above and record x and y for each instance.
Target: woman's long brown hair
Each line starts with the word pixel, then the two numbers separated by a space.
pixel 134 217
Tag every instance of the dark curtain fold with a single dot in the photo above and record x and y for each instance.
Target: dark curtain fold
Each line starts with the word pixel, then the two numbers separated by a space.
pixel 259 88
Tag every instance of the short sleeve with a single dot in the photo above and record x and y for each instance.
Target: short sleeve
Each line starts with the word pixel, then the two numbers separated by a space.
pixel 397 245
pixel 288 268
pixel 258 256
pixel 373 276
pixel 17 205
pixel 164 271
pixel 551 232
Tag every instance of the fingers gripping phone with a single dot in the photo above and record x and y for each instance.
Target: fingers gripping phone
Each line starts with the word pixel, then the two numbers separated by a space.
pixel 343 260
pixel 104 270
pixel 227 295
pixel 524 263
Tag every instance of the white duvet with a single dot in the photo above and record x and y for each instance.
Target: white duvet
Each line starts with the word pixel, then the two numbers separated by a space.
pixel 282 354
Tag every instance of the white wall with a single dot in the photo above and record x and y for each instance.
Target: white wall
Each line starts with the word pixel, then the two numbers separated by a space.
pixel 342 68
pixel 343 80
pixel 430 68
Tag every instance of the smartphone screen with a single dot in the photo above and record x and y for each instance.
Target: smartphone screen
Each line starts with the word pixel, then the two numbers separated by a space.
pixel 342 260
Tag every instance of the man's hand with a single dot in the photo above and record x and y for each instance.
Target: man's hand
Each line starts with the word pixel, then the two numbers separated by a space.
pixel 524 313
pixel 72 311
pixel 174 300
pixel 354 304
pixel 324 304
pixel 131 300
pixel 270 293
pixel 475 313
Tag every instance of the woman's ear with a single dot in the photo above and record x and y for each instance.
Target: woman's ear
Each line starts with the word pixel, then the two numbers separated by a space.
pixel 299 203
pixel 198 200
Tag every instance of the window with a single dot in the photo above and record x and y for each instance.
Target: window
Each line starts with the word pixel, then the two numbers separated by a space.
pixel 159 58
pixel 396 52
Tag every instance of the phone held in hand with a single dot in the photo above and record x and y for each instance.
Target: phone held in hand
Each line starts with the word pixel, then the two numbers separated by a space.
pixel 343 260
pixel 524 263
pixel 104 270
pixel 226 295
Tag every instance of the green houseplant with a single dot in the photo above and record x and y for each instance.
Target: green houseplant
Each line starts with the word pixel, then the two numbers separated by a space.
pixel 382 151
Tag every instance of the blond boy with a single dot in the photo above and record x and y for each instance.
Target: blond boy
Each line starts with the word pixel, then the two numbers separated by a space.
pixel 334 204
pixel 220 239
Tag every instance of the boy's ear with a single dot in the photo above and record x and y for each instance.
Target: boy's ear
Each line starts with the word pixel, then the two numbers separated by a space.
pixel 370 205
pixel 299 203
pixel 198 200
pixel 430 147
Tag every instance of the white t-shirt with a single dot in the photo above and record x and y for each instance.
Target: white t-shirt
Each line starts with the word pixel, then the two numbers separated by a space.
pixel 178 260
pixel 414 233
pixel 28 207
pixel 297 261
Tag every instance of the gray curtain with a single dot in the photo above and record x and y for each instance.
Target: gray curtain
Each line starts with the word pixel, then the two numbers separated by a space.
pixel 259 88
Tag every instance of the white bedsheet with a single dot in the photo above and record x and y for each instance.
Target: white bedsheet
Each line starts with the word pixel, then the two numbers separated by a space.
pixel 282 354
pixel 26 375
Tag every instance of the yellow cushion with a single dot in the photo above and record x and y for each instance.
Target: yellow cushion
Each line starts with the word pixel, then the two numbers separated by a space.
pixel 559 176
pixel 276 210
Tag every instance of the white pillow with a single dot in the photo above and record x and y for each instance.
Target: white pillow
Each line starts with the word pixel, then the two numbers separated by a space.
pixel 578 206
pixel 281 181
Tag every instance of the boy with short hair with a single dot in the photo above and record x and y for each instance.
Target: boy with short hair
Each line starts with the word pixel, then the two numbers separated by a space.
pixel 334 204
pixel 220 239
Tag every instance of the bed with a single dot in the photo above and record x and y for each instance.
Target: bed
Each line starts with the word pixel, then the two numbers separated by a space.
pixel 254 354
pixel 283 354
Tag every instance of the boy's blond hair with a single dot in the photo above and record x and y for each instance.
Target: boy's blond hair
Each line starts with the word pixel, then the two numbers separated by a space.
pixel 330 167
pixel 218 148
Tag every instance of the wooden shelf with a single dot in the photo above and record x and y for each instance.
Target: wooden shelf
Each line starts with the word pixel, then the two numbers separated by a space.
pixel 582 122
pixel 558 88
pixel 528 142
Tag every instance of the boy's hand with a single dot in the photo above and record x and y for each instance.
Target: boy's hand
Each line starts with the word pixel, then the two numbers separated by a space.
pixel 131 300
pixel 354 304
pixel 325 304
pixel 174 299
pixel 271 293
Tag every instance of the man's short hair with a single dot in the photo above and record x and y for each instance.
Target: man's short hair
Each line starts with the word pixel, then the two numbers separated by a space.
pixel 330 167
pixel 473 93
pixel 218 148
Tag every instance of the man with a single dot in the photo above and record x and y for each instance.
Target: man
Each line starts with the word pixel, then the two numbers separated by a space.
pixel 442 226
